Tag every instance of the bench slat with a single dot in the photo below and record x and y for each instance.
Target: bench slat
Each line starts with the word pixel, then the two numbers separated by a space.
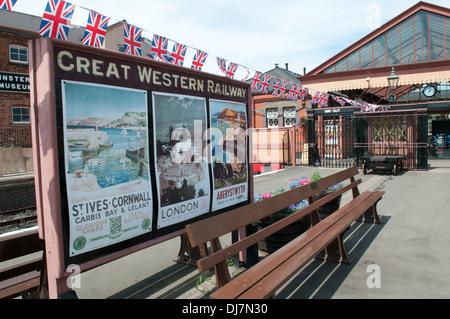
pixel 17 286
pixel 242 283
pixel 217 226
pixel 213 259
pixel 20 245
pixel 273 281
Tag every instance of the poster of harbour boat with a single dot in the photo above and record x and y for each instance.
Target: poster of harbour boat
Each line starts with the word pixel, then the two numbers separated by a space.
pixel 229 153
pixel 109 188
pixel 182 173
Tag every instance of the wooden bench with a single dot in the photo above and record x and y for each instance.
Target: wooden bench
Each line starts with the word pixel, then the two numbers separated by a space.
pixel 323 240
pixel 24 278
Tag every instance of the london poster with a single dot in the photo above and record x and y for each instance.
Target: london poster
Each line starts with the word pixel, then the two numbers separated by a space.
pixel 182 172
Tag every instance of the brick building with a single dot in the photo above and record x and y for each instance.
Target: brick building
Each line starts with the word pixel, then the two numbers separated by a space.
pixel 16 29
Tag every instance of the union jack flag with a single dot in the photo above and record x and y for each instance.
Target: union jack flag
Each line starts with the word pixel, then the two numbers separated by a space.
pixel 178 54
pixel 340 100
pixel 303 93
pixel 248 73
pixel 7 4
pixel 276 87
pixel 199 59
pixel 159 48
pixel 256 80
pixel 56 19
pixel 133 39
pixel 265 84
pixel 230 71
pixel 283 89
pixel 95 33
pixel 232 67
pixel 293 95
pixel 321 99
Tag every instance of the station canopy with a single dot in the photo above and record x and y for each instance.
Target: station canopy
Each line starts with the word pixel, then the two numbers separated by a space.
pixel 416 43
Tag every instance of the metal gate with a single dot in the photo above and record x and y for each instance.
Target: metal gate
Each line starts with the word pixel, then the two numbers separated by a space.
pixel 341 140
pixel 331 139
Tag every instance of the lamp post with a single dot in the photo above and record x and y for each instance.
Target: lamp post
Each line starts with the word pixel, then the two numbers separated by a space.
pixel 393 80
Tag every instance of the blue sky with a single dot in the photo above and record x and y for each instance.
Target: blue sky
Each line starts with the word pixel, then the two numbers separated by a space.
pixel 253 33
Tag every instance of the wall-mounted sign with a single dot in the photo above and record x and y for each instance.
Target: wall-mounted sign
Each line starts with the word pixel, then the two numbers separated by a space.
pixel 14 82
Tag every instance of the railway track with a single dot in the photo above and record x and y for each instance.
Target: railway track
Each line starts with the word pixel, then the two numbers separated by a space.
pixel 17 219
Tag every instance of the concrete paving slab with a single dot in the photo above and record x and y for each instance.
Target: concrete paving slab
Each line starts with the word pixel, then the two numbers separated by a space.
pixel 409 251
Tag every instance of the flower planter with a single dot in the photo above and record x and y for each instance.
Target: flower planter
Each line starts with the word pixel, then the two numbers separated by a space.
pixel 284 236
pixel 330 207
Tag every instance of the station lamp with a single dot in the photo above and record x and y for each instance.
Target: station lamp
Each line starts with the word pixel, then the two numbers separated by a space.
pixel 393 80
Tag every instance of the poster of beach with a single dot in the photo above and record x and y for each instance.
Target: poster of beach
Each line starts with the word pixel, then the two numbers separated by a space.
pixel 229 153
pixel 182 174
pixel 108 182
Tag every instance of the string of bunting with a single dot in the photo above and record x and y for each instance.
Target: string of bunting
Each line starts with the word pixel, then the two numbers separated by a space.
pixel 56 21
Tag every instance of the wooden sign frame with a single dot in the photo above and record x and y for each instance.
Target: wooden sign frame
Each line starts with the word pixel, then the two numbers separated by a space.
pixel 86 216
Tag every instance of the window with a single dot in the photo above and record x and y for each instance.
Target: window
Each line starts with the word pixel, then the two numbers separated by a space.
pixel 21 115
pixel 272 118
pixel 18 54
pixel 289 117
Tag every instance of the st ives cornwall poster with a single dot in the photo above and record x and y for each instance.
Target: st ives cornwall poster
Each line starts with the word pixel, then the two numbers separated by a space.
pixel 107 172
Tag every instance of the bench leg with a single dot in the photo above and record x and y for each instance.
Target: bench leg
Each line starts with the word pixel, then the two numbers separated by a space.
pixel 221 270
pixel 371 216
pixel 336 251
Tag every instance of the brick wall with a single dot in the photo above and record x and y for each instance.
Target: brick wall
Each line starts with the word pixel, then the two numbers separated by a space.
pixel 9 100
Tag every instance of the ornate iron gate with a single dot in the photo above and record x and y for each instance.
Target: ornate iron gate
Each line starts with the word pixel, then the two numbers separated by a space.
pixel 341 139
pixel 331 139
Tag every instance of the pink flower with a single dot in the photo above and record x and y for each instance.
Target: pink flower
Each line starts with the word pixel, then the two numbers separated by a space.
pixel 265 196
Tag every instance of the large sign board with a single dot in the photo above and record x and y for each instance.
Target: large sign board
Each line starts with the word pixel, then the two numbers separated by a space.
pixel 143 147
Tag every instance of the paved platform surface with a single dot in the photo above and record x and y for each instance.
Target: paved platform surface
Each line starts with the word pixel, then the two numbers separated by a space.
pixel 409 251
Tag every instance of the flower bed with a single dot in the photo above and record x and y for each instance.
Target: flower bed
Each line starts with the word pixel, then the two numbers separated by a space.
pixel 279 239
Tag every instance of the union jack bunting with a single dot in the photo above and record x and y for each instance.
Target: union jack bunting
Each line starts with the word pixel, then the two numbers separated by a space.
pixel 230 71
pixel 283 89
pixel 303 93
pixel 95 33
pixel 256 80
pixel 276 87
pixel 232 67
pixel 7 4
pixel 178 54
pixel 159 48
pixel 321 99
pixel 340 100
pixel 293 93
pixel 265 84
pixel 133 38
pixel 248 73
pixel 56 19
pixel 199 60
pixel 222 63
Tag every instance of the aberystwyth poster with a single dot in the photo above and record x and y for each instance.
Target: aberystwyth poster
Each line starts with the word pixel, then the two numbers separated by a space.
pixel 182 172
pixel 108 182
pixel 229 153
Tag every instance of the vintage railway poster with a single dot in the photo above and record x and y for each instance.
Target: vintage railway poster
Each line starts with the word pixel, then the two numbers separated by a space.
pixel 182 173
pixel 109 189
pixel 229 153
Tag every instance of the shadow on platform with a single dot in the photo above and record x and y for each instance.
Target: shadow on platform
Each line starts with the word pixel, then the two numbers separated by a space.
pixel 320 279
pixel 155 286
